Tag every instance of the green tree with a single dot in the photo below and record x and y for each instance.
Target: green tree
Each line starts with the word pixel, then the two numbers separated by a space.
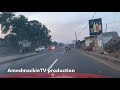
pixel 5 21
pixel 55 43
pixel 21 29
pixel 61 44
pixel 46 38
pixel 34 31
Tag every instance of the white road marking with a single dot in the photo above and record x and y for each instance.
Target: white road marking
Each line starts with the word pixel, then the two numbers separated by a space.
pixel 62 52
pixel 100 61
pixel 52 64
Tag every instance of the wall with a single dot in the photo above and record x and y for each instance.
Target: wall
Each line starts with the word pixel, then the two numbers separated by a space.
pixel 93 40
pixel 87 42
pixel 106 38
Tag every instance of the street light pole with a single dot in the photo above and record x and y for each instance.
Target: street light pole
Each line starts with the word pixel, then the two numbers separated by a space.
pixel 106 28
pixel 103 38
pixel 76 37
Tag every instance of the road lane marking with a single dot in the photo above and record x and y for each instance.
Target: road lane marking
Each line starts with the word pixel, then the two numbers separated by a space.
pixel 97 59
pixel 62 52
pixel 52 64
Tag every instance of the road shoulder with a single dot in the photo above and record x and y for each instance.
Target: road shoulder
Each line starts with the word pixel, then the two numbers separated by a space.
pixel 9 59
pixel 103 61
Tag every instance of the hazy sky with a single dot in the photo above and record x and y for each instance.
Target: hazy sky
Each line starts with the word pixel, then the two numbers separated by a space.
pixel 63 25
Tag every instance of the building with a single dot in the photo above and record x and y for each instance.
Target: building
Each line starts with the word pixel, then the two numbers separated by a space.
pixel 74 43
pixel 82 44
pixel 87 41
pixel 104 38
pixel 25 43
pixel 91 40
pixel 113 45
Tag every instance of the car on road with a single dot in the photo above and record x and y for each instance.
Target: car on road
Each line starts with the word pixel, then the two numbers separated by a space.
pixel 67 47
pixel 40 49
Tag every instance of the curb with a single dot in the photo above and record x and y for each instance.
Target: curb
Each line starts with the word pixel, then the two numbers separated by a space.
pixel 106 58
pixel 12 60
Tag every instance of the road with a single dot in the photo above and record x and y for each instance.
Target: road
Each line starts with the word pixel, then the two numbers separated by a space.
pixel 63 59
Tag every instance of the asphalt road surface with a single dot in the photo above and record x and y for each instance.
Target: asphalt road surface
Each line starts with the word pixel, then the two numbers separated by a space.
pixel 62 59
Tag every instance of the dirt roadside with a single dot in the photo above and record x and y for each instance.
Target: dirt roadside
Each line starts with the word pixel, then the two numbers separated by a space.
pixel 110 61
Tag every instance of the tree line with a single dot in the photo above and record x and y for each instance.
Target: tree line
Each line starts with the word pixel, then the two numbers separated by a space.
pixel 20 28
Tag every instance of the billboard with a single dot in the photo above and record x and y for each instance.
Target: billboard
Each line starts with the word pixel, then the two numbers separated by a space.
pixel 95 26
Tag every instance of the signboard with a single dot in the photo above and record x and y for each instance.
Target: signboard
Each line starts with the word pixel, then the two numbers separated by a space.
pixel 95 26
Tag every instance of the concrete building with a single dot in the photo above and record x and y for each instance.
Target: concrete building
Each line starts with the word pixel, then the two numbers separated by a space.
pixel 91 40
pixel 82 44
pixel 104 38
pixel 74 43
pixel 113 45
pixel 24 43
pixel 87 41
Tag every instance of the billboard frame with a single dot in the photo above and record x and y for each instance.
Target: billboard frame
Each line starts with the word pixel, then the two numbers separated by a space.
pixel 95 29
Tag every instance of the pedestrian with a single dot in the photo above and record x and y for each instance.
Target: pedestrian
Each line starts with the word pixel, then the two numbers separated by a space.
pixel 21 51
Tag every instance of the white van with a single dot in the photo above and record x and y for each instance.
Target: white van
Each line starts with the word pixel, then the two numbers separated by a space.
pixel 40 49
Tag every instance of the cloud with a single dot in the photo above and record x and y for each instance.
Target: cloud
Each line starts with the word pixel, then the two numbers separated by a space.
pixel 66 32
pixel 63 25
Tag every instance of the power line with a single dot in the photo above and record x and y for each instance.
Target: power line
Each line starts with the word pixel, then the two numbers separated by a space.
pixel 88 23
pixel 93 15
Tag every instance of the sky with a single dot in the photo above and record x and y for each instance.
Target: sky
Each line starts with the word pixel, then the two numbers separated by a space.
pixel 63 25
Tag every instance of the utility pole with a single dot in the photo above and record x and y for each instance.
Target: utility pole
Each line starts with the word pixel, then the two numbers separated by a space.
pixel 106 28
pixel 103 39
pixel 76 38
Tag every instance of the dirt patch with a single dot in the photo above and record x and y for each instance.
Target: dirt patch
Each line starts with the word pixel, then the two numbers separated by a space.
pixel 115 54
pixel 105 57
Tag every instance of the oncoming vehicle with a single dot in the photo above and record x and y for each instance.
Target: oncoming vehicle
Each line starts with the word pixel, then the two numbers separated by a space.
pixel 67 47
pixel 40 49
pixel 52 47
